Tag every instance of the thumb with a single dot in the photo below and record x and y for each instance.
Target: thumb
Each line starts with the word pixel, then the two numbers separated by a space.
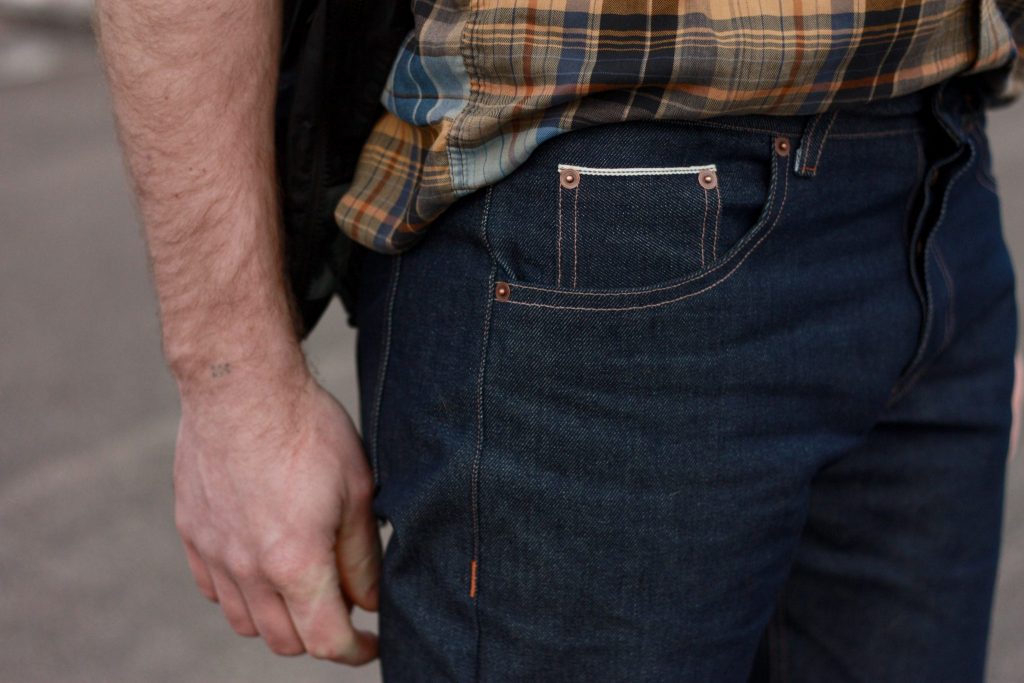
pixel 359 556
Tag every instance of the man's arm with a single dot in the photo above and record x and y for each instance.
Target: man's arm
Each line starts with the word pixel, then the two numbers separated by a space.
pixel 272 491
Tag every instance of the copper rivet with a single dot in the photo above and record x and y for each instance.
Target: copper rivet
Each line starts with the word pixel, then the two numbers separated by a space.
pixel 782 146
pixel 708 180
pixel 501 291
pixel 570 179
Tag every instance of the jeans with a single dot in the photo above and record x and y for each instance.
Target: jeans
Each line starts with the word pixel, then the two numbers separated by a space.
pixel 718 401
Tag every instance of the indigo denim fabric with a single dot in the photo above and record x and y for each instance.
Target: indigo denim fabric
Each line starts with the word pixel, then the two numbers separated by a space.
pixel 700 401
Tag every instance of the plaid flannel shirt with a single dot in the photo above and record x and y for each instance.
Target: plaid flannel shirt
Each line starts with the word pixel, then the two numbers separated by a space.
pixel 477 85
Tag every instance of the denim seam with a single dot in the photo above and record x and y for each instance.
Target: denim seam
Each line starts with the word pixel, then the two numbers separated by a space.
pixel 806 144
pixel 575 232
pixel 941 217
pixel 723 278
pixel 478 447
pixel 919 358
pixel 824 139
pixel 382 372
pixel 919 179
pixel 646 290
pixel 703 227
pixel 718 220
pixel 558 240
pixel 784 172
pixel 914 370
pixel 888 132
pixel 985 178
pixel 882 132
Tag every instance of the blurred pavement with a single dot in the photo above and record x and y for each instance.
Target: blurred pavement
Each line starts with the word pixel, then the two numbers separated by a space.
pixel 93 583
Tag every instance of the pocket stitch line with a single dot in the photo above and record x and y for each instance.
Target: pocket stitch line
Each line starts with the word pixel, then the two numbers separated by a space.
pixel 656 304
pixel 558 240
pixel 703 229
pixel 718 220
pixel 650 290
pixel 575 232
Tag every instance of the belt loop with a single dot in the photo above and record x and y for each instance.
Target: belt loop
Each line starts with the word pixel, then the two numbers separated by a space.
pixel 812 143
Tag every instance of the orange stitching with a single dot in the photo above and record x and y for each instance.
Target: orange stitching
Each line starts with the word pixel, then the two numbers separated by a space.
pixel 684 296
pixel 472 578
pixel 676 285
pixel 474 476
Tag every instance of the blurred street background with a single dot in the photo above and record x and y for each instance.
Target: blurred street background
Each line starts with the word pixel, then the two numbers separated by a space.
pixel 93 581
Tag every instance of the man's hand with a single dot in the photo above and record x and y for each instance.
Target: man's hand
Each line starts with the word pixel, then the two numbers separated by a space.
pixel 273 504
pixel 272 488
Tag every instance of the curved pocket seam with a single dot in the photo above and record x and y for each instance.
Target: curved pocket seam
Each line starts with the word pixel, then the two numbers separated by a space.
pixel 655 304
pixel 748 247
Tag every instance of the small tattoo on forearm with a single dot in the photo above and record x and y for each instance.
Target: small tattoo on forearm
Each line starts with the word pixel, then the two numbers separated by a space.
pixel 220 369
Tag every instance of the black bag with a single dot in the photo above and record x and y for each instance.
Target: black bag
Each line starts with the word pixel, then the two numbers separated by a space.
pixel 335 58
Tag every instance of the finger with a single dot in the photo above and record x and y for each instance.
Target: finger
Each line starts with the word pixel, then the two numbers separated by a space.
pixel 233 604
pixel 358 556
pixel 269 614
pixel 320 615
pixel 199 572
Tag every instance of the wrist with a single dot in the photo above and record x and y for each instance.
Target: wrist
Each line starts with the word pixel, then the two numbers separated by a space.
pixel 262 394
pixel 228 363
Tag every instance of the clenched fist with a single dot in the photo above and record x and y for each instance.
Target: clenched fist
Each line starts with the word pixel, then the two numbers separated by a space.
pixel 273 503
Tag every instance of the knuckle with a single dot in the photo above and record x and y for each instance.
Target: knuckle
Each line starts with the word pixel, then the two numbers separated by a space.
pixel 237 561
pixel 242 625
pixel 204 541
pixel 285 566
pixel 341 650
pixel 241 567
pixel 285 647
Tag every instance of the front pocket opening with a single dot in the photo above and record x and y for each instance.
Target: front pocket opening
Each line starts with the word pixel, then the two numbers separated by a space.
pixel 638 170
pixel 726 261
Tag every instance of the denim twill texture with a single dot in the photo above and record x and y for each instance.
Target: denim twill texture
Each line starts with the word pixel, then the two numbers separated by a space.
pixel 630 422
